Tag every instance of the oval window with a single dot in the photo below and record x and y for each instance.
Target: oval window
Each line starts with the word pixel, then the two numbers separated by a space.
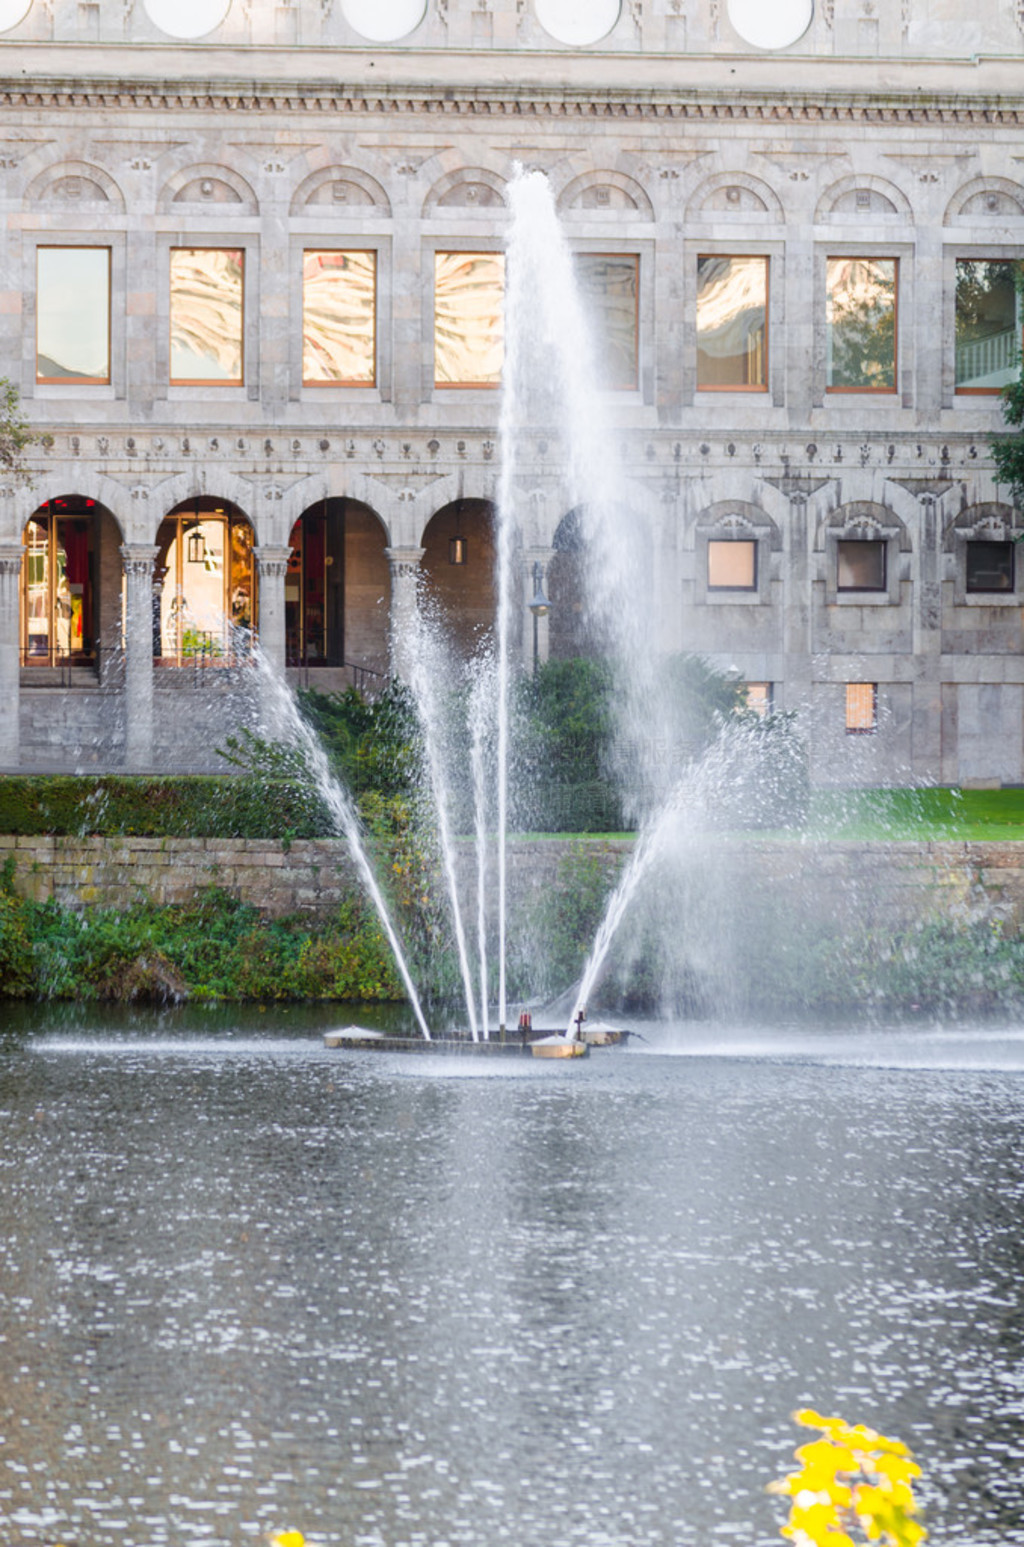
pixel 187 18
pixel 383 21
pixel 578 21
pixel 12 12
pixel 771 23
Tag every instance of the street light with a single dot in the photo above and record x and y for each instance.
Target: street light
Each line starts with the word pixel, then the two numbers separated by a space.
pixel 539 606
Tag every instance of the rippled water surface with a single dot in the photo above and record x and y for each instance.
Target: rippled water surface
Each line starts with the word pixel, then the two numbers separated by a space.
pixel 247 1283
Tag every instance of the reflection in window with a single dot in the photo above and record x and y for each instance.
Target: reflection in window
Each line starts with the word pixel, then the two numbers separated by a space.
pixel 861 324
pixel 732 566
pixel 338 318
pixel 73 314
pixel 861 707
pixel 469 318
pixel 732 311
pixel 610 287
pixel 206 315
pixel 988 324
pixel 57 584
pixel 860 565
pixel 313 599
pixel 205 583
pixel 989 566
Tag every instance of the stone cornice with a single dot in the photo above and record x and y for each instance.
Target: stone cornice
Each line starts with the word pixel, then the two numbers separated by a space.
pixel 638 104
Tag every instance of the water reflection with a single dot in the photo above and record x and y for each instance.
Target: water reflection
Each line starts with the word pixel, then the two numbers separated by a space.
pixel 246 1282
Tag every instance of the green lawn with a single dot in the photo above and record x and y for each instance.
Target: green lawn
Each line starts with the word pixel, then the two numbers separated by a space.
pixel 919 814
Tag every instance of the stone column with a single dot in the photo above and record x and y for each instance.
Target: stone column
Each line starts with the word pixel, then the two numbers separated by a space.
pixel 11 557
pixel 405 573
pixel 138 561
pixel 272 565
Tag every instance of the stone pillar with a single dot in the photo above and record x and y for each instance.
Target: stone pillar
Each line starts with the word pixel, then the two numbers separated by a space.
pixel 138 563
pixel 536 561
pixel 11 557
pixel 405 573
pixel 272 565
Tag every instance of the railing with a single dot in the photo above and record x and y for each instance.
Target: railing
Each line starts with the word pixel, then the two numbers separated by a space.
pixel 365 679
pixel 987 356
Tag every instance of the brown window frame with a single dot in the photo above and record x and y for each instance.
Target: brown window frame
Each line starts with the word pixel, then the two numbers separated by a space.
pixel 863 542
pixel 863 730
pixel 866 257
pixel 465 386
pixel 762 386
pixel 343 383
pixel 732 542
pixel 959 391
pixel 621 257
pixel 78 381
pixel 208 381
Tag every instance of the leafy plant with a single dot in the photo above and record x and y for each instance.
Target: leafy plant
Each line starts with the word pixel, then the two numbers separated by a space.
pixel 15 435
pixel 854 1485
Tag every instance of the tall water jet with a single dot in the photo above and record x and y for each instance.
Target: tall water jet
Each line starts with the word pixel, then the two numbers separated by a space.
pixel 282 718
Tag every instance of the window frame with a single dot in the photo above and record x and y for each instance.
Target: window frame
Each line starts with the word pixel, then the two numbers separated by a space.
pixel 764 386
pixel 861 730
pixel 466 248
pixel 745 541
pixel 881 543
pixel 212 383
pixel 373 250
pixel 636 258
pixel 73 382
pixel 1002 593
pixel 895 259
pixel 1018 262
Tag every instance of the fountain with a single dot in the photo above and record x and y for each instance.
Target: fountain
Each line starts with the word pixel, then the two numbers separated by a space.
pixel 547 390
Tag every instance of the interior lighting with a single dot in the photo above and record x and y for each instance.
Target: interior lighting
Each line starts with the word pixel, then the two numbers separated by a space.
pixel 186 18
pixel 383 21
pixel 578 21
pixel 770 23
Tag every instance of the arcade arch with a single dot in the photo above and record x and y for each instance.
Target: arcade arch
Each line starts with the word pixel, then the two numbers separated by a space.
pixel 70 582
pixel 205 599
pixel 458 571
pixel 336 591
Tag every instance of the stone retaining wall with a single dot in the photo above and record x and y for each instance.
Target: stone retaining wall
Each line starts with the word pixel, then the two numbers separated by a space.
pixel 879 884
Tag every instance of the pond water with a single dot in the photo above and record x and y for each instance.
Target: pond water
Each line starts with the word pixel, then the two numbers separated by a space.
pixel 249 1284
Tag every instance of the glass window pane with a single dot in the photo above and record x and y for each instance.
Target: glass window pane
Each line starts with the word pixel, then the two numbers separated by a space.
pixel 861 566
pixel 469 318
pixel 732 566
pixel 988 325
pixel 759 698
pixel 610 289
pixel 732 303
pixel 73 314
pixel 338 318
pixel 861 321
pixel 206 315
pixel 861 706
pixel 989 566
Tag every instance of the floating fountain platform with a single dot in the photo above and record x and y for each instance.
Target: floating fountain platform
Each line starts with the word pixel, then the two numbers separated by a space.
pixel 536 1042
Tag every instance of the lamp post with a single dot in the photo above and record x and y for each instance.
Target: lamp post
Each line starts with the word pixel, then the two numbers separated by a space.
pixel 540 607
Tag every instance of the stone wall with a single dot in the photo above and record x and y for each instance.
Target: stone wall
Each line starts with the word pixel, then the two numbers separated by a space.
pixel 876 885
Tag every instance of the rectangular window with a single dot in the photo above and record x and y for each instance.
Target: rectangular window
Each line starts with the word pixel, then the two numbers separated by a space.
pixel 73 315
pixel 861 323
pixel 989 566
pixel 469 318
pixel 988 324
pixel 759 698
pixel 860 565
pixel 861 707
pixel 207 292
pixel 732 566
pixel 339 338
pixel 610 285
pixel 732 324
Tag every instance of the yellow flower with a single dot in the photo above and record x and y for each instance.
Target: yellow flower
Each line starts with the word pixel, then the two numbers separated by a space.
pixel 288 1539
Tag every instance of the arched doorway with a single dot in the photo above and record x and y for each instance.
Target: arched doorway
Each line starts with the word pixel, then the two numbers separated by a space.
pixel 568 633
pixel 458 571
pixel 205 601
pixel 61 619
pixel 336 592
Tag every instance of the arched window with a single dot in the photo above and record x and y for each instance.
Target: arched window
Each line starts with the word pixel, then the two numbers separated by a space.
pixel 58 584
pixel 205 585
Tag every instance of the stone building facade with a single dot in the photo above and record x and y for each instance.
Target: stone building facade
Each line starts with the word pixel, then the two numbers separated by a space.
pixel 875 587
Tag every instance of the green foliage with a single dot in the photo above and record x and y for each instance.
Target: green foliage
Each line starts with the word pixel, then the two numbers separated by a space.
pixel 1007 451
pixel 567 918
pixel 15 435
pixel 373 745
pixel 213 948
pixel 260 806
pixel 854 1485
pixel 17 967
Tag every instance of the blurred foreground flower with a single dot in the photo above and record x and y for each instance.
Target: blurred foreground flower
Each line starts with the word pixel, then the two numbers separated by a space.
pixel 288 1539
pixel 850 1480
